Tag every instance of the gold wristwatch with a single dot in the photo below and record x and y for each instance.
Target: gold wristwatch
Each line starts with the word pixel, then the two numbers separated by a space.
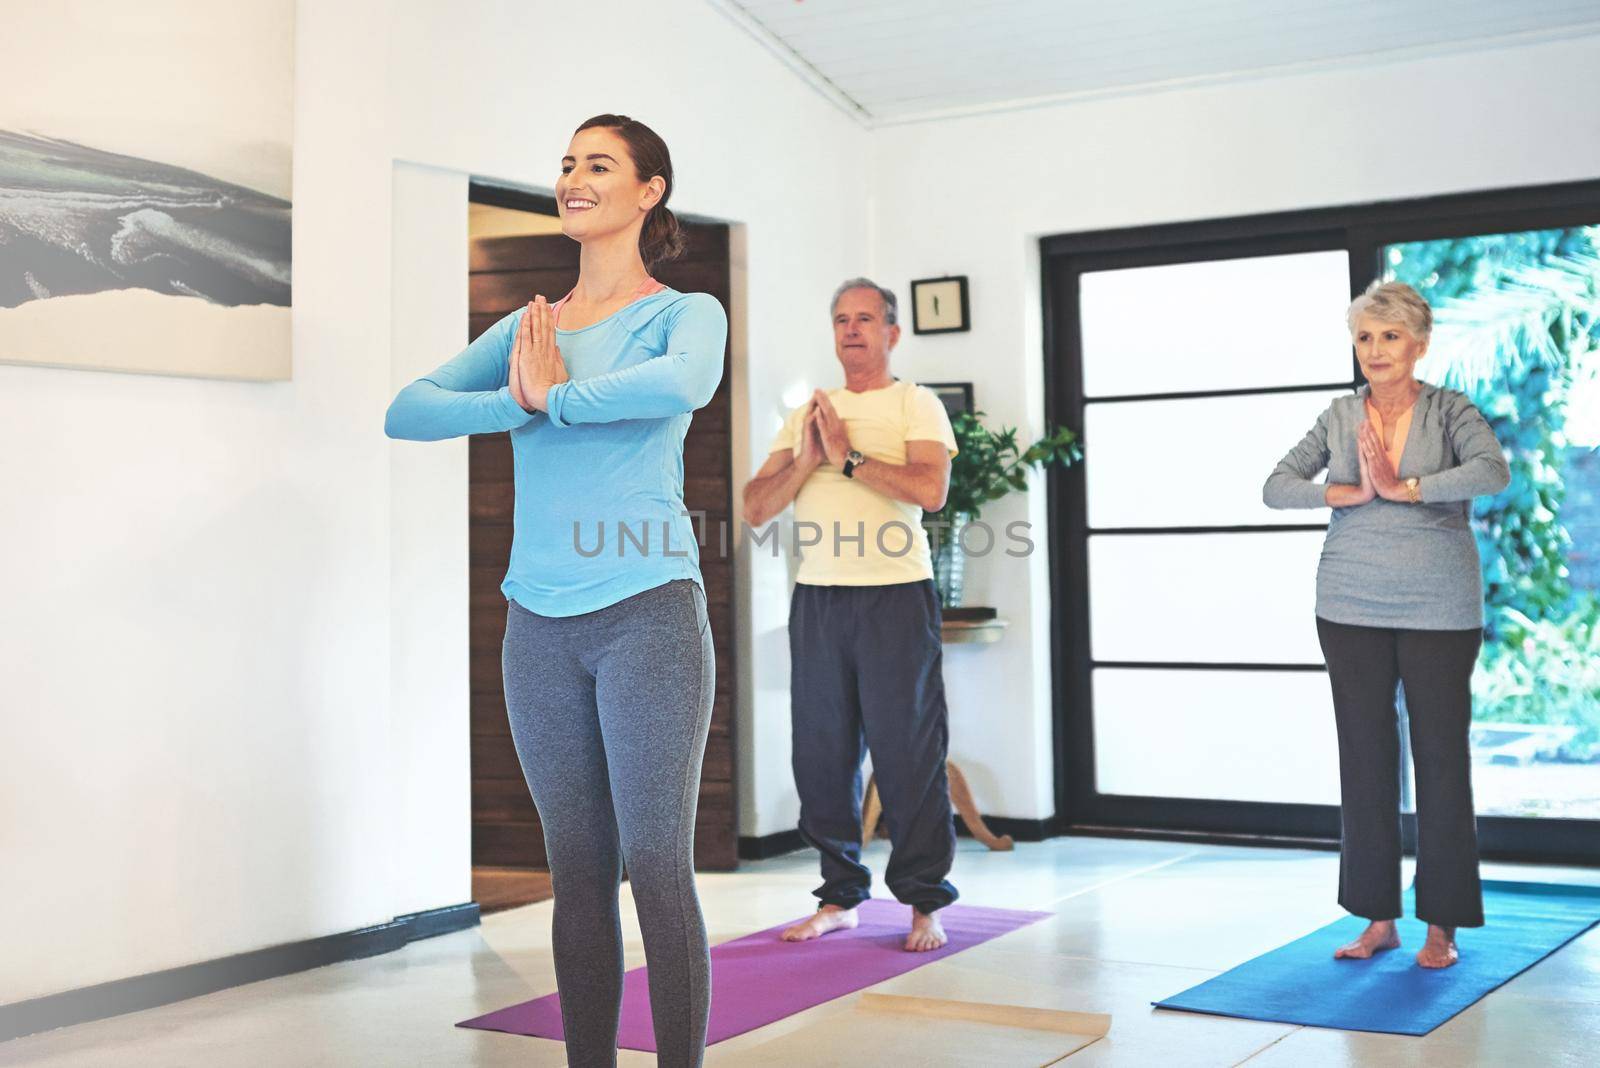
pixel 1414 490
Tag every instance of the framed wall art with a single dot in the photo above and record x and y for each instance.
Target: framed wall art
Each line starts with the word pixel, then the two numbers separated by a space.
pixel 939 305
pixel 957 396
pixel 145 168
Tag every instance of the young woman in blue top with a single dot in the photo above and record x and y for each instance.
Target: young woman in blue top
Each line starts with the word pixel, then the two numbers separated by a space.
pixel 608 665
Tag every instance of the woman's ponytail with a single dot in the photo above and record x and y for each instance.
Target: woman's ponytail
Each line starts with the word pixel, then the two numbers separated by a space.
pixel 662 239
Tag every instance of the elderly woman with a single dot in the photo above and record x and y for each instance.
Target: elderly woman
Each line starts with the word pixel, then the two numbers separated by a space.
pixel 1399 600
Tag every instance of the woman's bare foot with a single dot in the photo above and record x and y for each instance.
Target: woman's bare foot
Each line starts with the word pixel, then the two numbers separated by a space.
pixel 1439 951
pixel 827 918
pixel 1379 936
pixel 926 932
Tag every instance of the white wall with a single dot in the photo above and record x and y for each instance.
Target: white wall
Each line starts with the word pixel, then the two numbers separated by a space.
pixel 195 628
pixel 428 603
pixel 233 656
pixel 972 197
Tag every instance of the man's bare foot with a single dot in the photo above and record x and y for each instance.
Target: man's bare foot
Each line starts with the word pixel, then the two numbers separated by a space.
pixel 1379 936
pixel 827 918
pixel 926 932
pixel 1439 951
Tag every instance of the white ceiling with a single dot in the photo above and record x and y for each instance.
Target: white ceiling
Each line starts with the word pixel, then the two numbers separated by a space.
pixel 889 61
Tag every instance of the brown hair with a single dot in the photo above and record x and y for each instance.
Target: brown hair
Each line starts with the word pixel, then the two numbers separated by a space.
pixel 661 238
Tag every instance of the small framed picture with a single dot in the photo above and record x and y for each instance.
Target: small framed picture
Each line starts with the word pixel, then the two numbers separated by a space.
pixel 957 396
pixel 939 305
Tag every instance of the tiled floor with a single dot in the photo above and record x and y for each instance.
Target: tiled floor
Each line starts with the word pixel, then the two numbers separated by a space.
pixel 1135 921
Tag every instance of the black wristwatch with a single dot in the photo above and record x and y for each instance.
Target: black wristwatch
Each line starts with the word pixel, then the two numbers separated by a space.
pixel 852 460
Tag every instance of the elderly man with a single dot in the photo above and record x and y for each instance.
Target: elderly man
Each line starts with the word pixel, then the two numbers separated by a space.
pixel 861 463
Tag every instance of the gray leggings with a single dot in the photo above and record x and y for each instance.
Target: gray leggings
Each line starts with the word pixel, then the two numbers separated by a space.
pixel 610 711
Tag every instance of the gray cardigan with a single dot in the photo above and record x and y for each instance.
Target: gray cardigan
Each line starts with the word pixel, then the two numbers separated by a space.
pixel 1391 564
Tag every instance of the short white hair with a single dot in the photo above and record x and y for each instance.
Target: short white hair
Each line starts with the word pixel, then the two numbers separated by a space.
pixel 1392 302
pixel 891 306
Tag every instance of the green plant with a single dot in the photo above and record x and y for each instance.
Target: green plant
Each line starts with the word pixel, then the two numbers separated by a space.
pixel 1517 316
pixel 1517 324
pixel 989 464
pixel 1546 671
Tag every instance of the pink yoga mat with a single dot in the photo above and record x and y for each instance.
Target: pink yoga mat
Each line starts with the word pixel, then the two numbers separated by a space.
pixel 761 978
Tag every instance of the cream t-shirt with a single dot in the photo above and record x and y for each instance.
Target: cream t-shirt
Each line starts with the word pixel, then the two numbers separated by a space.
pixel 867 538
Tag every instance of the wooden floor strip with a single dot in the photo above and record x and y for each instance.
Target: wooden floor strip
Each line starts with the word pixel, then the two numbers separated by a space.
pixel 498 889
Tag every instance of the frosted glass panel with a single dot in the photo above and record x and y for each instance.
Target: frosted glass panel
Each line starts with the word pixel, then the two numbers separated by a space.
pixel 1194 463
pixel 1234 736
pixel 1205 598
pixel 1220 324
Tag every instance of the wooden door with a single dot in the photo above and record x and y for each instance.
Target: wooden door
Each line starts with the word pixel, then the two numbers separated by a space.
pixel 505 273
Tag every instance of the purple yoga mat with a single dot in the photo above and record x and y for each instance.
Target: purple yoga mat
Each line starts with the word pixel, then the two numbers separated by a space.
pixel 761 978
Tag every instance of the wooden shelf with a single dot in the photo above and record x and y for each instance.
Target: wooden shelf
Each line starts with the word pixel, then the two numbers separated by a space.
pixel 982 632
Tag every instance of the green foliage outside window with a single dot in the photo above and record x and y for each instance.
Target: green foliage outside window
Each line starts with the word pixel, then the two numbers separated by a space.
pixel 1517 322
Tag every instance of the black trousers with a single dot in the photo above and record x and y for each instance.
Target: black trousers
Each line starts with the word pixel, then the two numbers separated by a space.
pixel 866 675
pixel 1435 667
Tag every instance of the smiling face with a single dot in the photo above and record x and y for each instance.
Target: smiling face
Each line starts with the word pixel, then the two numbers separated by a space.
pixel 1387 351
pixel 599 192
pixel 861 338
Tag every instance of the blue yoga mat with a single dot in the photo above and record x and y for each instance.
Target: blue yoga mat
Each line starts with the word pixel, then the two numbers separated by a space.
pixel 1301 983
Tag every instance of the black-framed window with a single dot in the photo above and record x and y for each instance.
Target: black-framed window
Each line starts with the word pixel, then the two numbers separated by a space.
pixel 1190 696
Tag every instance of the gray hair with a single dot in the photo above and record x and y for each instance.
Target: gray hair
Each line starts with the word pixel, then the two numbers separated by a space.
pixel 891 306
pixel 1392 302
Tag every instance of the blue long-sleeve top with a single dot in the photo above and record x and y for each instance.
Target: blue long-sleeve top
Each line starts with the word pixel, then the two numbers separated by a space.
pixel 599 512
